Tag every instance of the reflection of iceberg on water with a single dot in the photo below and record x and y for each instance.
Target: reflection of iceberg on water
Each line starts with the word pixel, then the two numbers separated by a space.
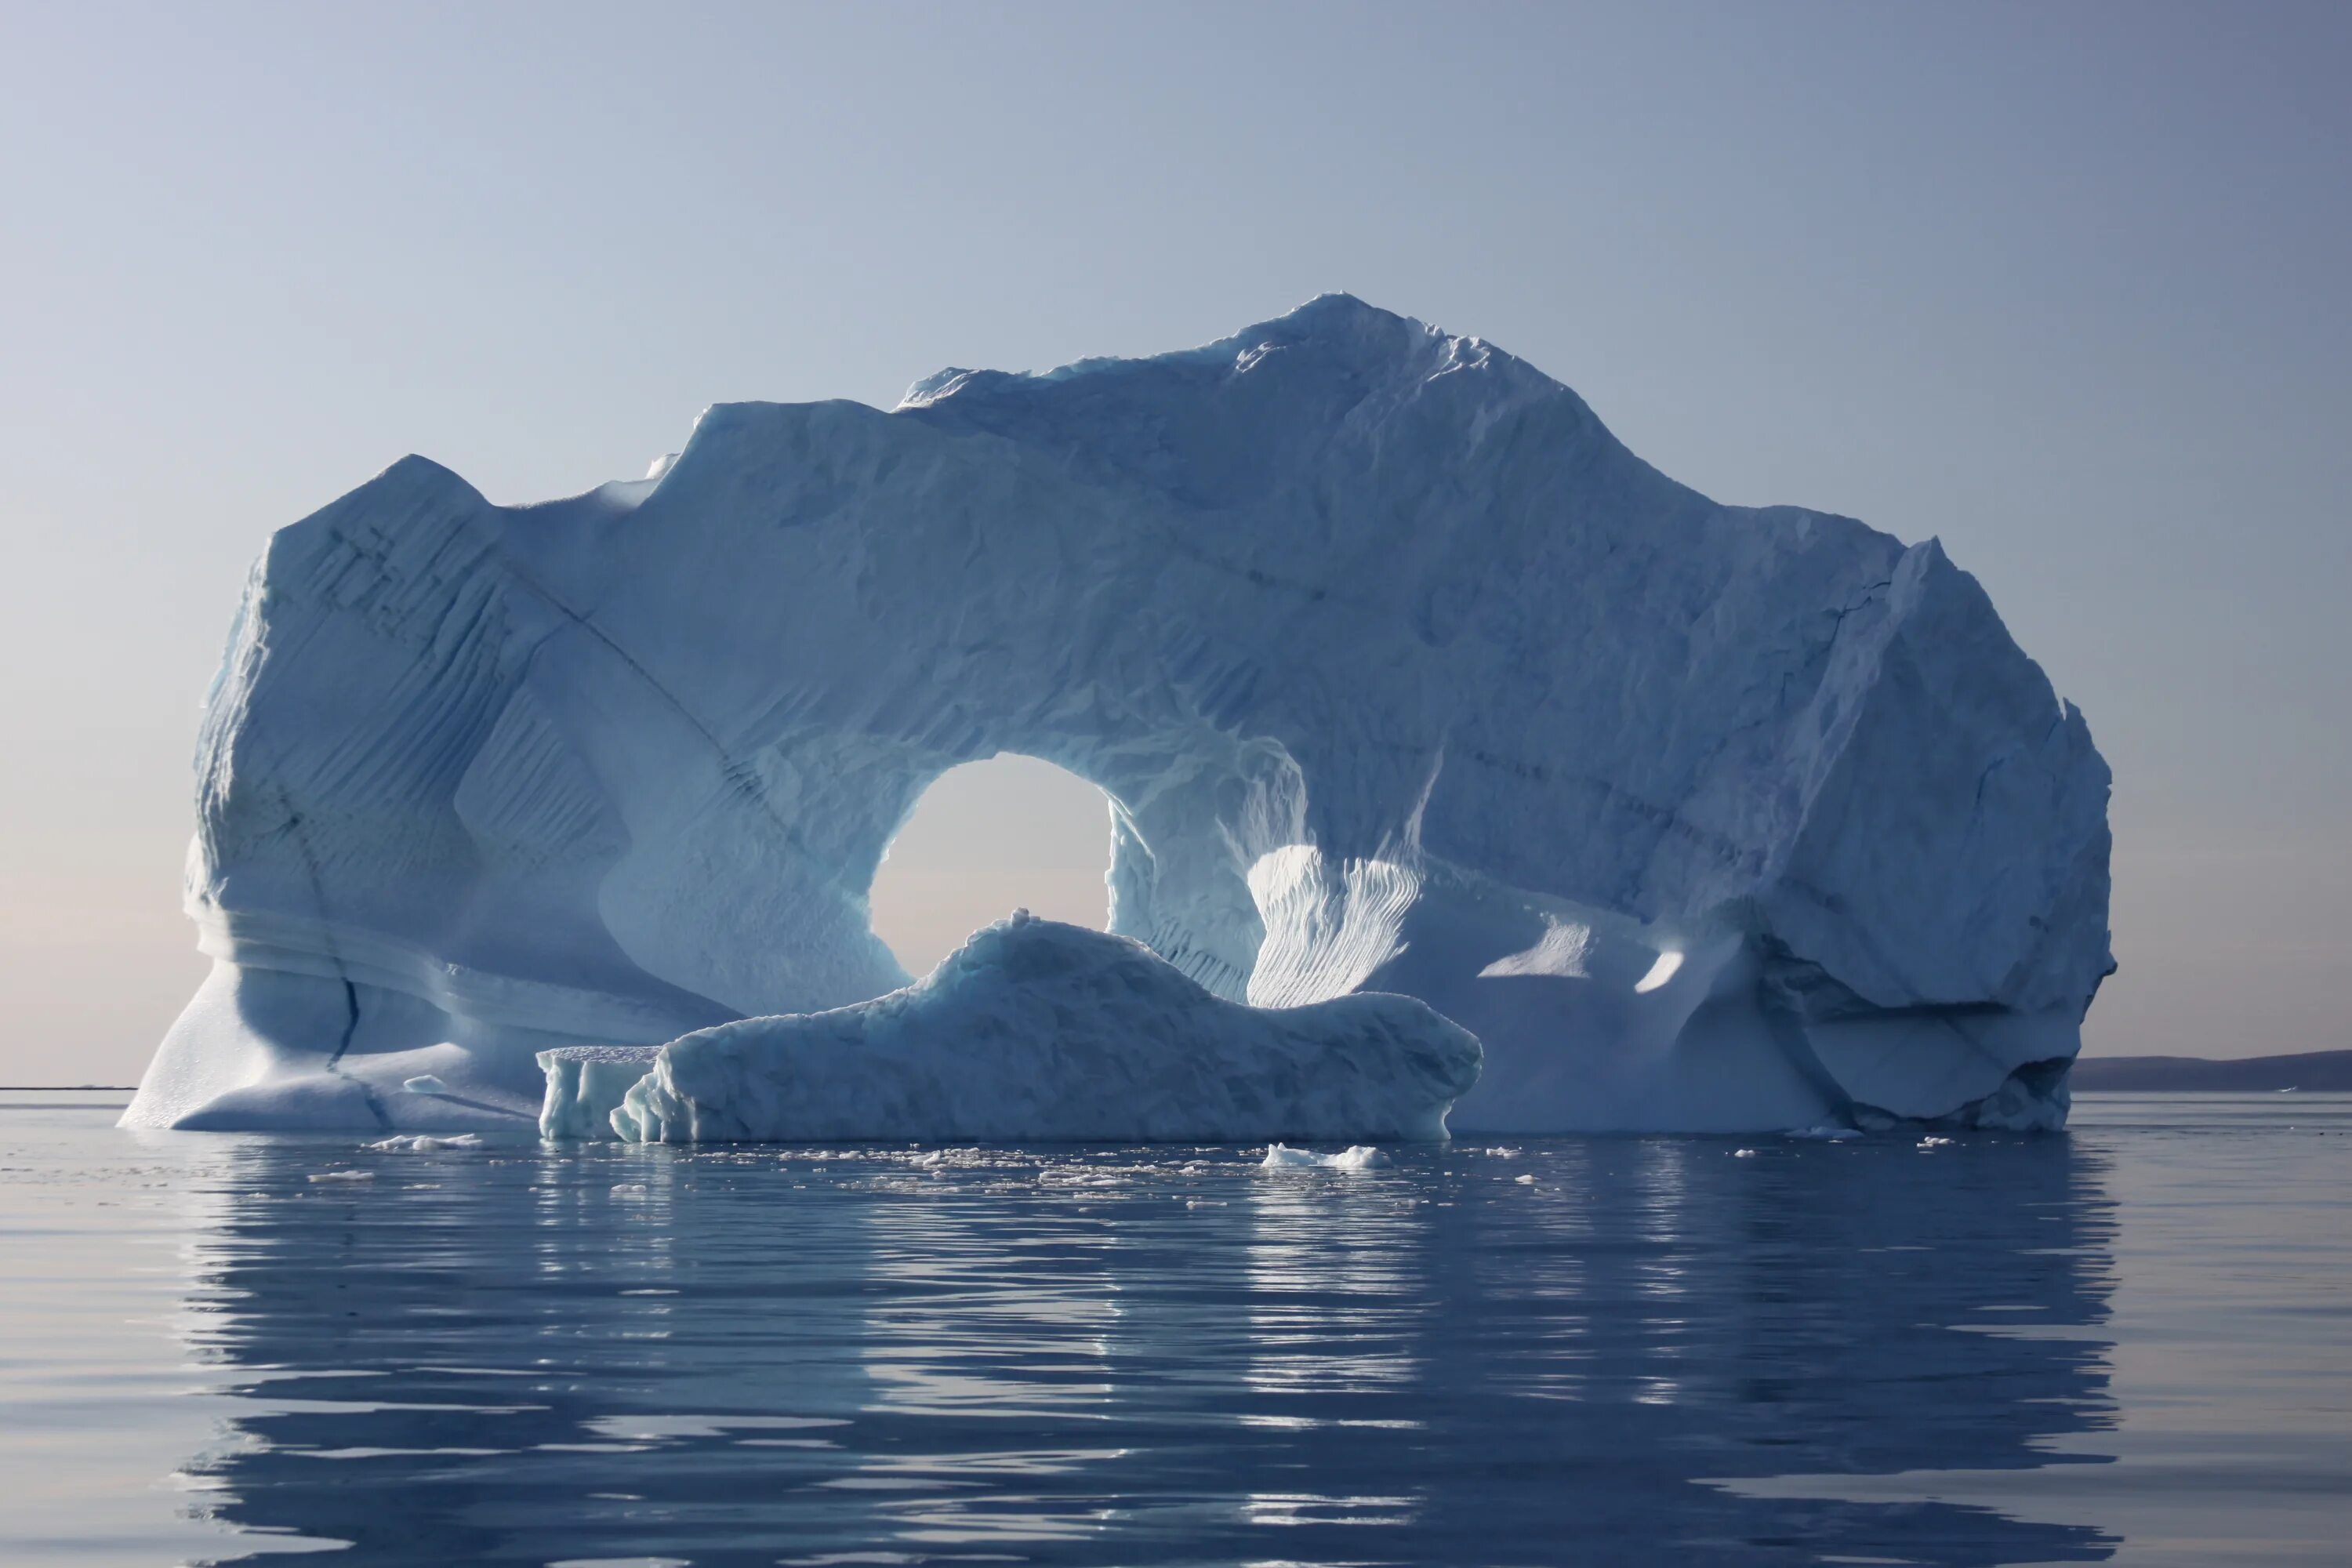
pixel 1147 1358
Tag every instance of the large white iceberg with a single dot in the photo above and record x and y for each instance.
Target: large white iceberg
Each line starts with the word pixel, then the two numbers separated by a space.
pixel 1039 1030
pixel 1399 672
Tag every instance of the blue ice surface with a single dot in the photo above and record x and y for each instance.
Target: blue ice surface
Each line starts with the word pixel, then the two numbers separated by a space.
pixel 1400 674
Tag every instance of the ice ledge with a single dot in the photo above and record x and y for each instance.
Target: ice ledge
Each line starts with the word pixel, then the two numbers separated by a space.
pixel 1033 1030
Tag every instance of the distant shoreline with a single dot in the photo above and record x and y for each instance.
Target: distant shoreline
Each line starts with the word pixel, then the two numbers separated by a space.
pixel 2318 1072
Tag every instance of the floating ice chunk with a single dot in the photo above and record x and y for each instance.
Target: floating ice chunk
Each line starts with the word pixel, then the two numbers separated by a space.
pixel 1524 1181
pixel 1934 1143
pixel 422 1143
pixel 342 1175
pixel 1360 1157
pixel 1034 1029
pixel 1743 1153
pixel 425 1083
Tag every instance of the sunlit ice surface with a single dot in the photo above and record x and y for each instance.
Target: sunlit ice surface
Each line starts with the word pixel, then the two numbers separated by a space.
pixel 2132 1343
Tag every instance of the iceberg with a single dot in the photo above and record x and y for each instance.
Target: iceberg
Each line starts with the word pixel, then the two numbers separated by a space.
pixel 1398 672
pixel 1036 1030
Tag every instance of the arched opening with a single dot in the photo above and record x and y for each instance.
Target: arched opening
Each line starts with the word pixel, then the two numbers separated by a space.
pixel 985 839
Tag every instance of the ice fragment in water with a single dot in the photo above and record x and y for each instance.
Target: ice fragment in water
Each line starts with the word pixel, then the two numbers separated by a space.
pixel 1034 1029
pixel 1360 1157
pixel 422 1143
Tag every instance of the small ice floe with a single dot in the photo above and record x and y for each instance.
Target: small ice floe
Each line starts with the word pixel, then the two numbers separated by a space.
pixel 930 1162
pixel 1502 1153
pixel 342 1175
pixel 1359 1157
pixel 1743 1153
pixel 425 1083
pixel 1525 1181
pixel 628 1189
pixel 963 1062
pixel 1825 1133
pixel 420 1143
pixel 1934 1143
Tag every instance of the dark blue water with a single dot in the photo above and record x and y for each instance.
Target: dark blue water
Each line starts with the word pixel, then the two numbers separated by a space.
pixel 2130 1343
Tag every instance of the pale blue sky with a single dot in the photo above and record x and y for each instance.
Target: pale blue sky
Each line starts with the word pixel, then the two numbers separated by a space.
pixel 2064 285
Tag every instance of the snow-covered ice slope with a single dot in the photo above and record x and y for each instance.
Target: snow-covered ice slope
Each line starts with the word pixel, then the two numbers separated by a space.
pixel 1034 1029
pixel 1401 673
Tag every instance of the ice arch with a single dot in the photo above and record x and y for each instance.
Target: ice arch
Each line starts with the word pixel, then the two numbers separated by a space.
pixel 986 837
pixel 1403 674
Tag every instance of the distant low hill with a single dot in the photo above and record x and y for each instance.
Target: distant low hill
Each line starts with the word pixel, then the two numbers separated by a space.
pixel 2313 1071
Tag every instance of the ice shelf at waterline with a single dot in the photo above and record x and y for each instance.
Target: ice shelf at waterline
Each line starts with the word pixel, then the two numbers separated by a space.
pixel 1039 1030
pixel 1399 672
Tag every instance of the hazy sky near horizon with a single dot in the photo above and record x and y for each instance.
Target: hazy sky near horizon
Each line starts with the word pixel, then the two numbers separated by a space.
pixel 2066 286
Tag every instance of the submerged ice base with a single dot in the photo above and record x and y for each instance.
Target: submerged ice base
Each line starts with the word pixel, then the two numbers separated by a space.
pixel 1033 1030
pixel 1399 672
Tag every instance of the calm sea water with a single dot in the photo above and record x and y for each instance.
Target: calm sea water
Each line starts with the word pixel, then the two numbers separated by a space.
pixel 2131 1343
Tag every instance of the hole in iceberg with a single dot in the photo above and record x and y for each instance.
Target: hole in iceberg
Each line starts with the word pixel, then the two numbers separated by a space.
pixel 987 837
